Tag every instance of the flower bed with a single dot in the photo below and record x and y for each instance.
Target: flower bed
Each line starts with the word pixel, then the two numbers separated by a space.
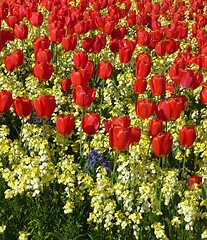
pixel 103 126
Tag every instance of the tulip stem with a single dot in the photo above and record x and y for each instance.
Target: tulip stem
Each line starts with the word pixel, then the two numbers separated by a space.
pixel 81 133
pixel 102 91
pixel 158 175
pixel 149 148
pixel 43 129
pixel 21 134
pixel 183 165
pixel 115 160
pixel 89 149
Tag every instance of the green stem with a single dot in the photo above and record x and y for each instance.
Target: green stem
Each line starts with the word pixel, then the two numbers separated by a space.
pixel 20 135
pixel 115 160
pixel 102 91
pixel 43 129
pixel 89 149
pixel 149 148
pixel 183 170
pixel 158 175
pixel 166 126
pixel 81 133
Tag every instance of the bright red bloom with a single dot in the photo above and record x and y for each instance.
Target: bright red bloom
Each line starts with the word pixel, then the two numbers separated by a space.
pixel 5 101
pixel 23 106
pixel 80 78
pixel 91 123
pixel 83 97
pixel 203 95
pixel 14 60
pixel 125 54
pixel 162 144
pixel 41 43
pixel 169 109
pixel 155 126
pixel 12 20
pixel 104 70
pixel 142 69
pixel 187 135
pixel 186 78
pixel 160 49
pixel 195 180
pixel 44 106
pixel 80 59
pixel 43 56
pixel 140 85
pixel 69 42
pixel 43 71
pixel 36 19
pixel 56 35
pixel 108 27
pixel 90 68
pixel 21 31
pixel 66 84
pixel 114 45
pixel 65 124
pixel 144 108
pixel 157 85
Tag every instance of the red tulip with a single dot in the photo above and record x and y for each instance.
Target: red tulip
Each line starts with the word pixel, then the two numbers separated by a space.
pixel 23 106
pixel 185 79
pixel 90 68
pixel 43 71
pixel 80 59
pixel 155 126
pixel 157 85
pixel 65 124
pixel 56 35
pixel 44 106
pixel 5 101
pixel 144 108
pixel 140 85
pixel 114 45
pixel 169 109
pixel 36 19
pixel 125 54
pixel 135 135
pixel 82 27
pixel 66 84
pixel 14 60
pixel 69 42
pixel 41 43
pixel 80 78
pixel 21 31
pixel 119 137
pixel 162 144
pixel 160 49
pixel 43 56
pixel 187 136
pixel 142 69
pixel 108 27
pixel 104 70
pixel 12 20
pixel 203 95
pixel 195 180
pixel 83 97
pixel 91 123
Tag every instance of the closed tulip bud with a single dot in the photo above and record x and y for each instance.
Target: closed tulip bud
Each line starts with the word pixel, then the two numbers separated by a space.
pixel 114 45
pixel 83 97
pixel 80 78
pixel 186 78
pixel 195 180
pixel 142 69
pixel 144 108
pixel 160 49
pixel 65 124
pixel 80 59
pixel 187 135
pixel 104 70
pixel 17 58
pixel 56 35
pixel 21 31
pixel 169 109
pixel 90 68
pixel 162 144
pixel 23 106
pixel 157 85
pixel 119 137
pixel 108 27
pixel 43 56
pixel 41 43
pixel 5 101
pixel 82 27
pixel 9 65
pixel 203 95
pixel 135 135
pixel 36 19
pixel 91 123
pixel 125 54
pixel 69 42
pixel 140 85
pixel 66 84
pixel 155 126
pixel 44 106
pixel 43 71
pixel 12 20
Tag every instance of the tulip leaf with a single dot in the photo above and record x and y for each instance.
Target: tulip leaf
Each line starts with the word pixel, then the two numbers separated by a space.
pixel 152 218
pixel 204 191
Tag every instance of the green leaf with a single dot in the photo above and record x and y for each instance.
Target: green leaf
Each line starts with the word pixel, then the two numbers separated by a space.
pixel 204 191
pixel 152 218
